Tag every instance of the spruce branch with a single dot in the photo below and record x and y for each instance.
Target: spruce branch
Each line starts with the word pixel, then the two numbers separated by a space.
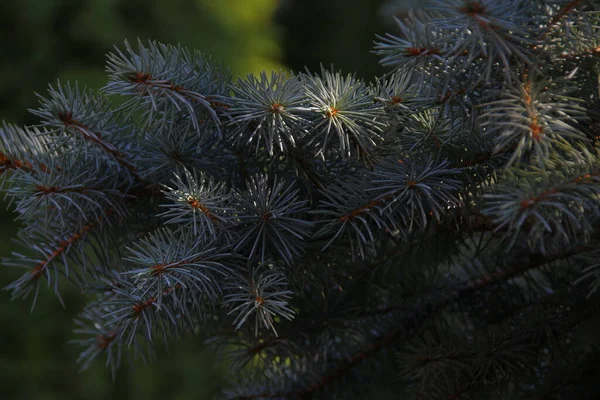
pixel 54 249
pixel 63 188
pixel 421 190
pixel 398 195
pixel 172 149
pixel 264 295
pixel 563 210
pixel 421 42
pixel 73 112
pixel 268 110
pixel 195 264
pixel 342 108
pixel 305 222
pixel 268 217
pixel 22 148
pixel 494 29
pixel 541 119
pixel 107 338
pixel 556 18
pixel 349 211
pixel 199 202
pixel 162 79
pixel 7 163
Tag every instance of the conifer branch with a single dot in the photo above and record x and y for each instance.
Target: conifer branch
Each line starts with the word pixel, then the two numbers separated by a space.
pixel 23 286
pixel 60 248
pixel 13 156
pixel 411 325
pixel 164 79
pixel 7 163
pixel 345 216
pixel 71 123
pixel 563 12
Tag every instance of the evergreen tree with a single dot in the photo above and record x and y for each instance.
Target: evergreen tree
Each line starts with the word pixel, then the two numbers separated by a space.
pixel 433 233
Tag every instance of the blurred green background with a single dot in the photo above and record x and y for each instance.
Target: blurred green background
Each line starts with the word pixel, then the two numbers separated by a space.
pixel 45 40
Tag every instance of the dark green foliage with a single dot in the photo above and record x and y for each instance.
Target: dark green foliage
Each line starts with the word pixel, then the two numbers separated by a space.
pixel 434 232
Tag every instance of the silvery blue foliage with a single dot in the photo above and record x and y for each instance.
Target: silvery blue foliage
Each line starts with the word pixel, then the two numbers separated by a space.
pixel 327 234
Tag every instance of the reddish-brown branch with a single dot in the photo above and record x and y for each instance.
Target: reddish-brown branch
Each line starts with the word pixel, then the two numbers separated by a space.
pixel 441 99
pixel 146 80
pixel 276 108
pixel 422 51
pixel 504 274
pixel 64 245
pixel 7 163
pixel 160 268
pixel 360 210
pixel 96 138
pixel 139 307
pixel 583 178
pixel 69 122
pixel 592 52
pixel 103 341
pixel 334 374
pixel 475 10
pixel 537 130
pixel 395 100
pixel 374 203
pixel 331 112
pixel 363 209
pixel 560 15
pixel 195 203
pixel 497 276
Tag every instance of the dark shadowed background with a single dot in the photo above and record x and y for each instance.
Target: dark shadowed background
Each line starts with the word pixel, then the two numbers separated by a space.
pixel 45 40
